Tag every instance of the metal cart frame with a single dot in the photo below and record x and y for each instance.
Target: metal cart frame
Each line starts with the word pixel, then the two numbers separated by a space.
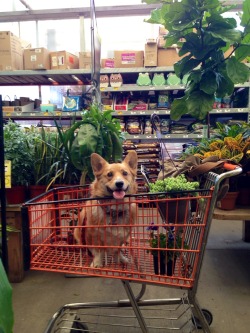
pixel 66 319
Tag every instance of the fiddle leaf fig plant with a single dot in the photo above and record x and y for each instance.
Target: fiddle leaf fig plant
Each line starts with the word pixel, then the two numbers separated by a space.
pixel 203 33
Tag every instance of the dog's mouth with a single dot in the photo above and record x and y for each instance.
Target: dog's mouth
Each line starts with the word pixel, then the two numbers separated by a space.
pixel 117 194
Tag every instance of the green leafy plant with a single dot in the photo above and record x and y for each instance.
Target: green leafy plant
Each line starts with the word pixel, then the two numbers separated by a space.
pixel 6 307
pixel 230 143
pixel 166 242
pixel 173 185
pixel 97 132
pixel 203 34
pixel 18 149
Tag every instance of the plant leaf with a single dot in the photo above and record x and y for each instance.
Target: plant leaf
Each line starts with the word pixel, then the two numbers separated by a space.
pixel 238 72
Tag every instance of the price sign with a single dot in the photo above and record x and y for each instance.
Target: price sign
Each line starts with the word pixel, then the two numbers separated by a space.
pixel 7 172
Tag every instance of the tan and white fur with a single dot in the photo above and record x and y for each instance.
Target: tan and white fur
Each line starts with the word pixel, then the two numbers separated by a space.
pixel 103 217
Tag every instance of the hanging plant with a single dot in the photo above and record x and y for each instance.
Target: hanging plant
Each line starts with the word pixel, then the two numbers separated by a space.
pixel 203 34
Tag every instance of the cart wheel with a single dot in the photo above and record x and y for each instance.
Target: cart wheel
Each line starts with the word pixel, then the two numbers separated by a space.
pixel 208 316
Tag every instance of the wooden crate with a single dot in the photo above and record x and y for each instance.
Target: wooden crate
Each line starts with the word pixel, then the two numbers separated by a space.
pixel 15 244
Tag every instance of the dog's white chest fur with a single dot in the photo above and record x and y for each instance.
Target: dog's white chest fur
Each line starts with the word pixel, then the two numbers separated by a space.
pixel 113 231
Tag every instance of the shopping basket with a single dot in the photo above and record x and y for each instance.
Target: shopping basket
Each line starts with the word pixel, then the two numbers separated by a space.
pixel 157 251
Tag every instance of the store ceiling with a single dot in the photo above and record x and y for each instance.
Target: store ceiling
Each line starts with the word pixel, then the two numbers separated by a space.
pixel 48 4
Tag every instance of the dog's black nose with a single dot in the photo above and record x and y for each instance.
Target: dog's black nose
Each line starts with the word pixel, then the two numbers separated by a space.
pixel 119 184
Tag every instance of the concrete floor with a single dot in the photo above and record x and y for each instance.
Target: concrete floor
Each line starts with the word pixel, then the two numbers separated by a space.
pixel 224 287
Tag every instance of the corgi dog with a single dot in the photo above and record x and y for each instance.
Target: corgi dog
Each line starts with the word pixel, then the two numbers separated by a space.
pixel 108 222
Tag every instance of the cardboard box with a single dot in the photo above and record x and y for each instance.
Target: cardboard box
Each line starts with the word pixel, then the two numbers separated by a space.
pixel 85 60
pixel 167 57
pixel 161 42
pixel 162 31
pixel 120 102
pixel 107 100
pixel 127 59
pixel 108 63
pixel 150 56
pixel 11 53
pixel 37 58
pixel 63 60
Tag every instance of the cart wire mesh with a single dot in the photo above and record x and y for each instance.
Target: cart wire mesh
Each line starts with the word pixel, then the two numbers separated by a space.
pixel 114 317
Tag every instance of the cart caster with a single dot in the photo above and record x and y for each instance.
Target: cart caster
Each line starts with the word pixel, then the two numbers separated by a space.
pixel 208 316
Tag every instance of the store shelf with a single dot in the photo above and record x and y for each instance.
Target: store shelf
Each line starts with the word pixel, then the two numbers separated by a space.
pixel 230 110
pixel 135 87
pixel 64 114
pixel 45 77
pixel 65 77
pixel 163 136
pixel 41 115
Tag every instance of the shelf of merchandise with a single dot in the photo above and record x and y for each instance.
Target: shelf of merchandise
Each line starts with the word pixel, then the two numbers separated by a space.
pixel 64 114
pixel 67 76
pixel 83 77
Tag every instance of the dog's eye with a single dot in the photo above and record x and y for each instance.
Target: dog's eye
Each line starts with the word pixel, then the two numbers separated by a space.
pixel 110 174
pixel 125 173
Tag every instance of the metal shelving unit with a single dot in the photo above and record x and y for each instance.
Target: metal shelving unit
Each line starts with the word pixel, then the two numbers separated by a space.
pixel 83 77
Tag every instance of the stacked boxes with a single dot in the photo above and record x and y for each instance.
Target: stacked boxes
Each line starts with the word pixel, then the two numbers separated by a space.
pixel 150 56
pixel 36 58
pixel 63 60
pixel 11 54
pixel 85 60
pixel 128 59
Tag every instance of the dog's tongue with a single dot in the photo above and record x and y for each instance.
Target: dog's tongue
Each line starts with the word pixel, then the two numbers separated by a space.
pixel 119 194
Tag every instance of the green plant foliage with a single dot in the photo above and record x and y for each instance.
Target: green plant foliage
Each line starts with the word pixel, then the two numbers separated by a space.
pixel 203 35
pixel 97 132
pixel 173 184
pixel 18 149
pixel 6 308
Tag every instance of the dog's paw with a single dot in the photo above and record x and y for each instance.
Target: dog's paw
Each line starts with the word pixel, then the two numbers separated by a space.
pixel 123 259
pixel 96 264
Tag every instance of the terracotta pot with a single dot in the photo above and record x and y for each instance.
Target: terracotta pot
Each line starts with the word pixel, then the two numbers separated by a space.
pixel 229 201
pixel 174 211
pixel 36 190
pixel 244 197
pixel 16 195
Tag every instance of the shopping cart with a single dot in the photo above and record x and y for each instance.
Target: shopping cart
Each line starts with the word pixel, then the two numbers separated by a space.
pixel 158 252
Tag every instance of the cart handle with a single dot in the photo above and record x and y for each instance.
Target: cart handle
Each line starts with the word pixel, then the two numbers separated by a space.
pixel 229 166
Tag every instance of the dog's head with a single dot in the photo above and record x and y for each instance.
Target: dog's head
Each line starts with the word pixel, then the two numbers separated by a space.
pixel 116 179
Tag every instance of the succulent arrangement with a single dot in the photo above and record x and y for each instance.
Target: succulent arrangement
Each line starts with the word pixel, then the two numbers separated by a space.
pixel 172 185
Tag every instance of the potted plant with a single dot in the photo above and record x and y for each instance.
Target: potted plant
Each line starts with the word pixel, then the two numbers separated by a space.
pixel 97 132
pixel 52 165
pixel 231 143
pixel 18 150
pixel 174 205
pixel 212 50
pixel 165 247
pixel 178 190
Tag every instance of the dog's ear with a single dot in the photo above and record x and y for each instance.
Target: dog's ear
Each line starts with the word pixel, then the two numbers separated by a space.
pixel 97 163
pixel 131 160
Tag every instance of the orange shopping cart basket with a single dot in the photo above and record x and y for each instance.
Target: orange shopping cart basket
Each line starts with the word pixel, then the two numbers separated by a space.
pixel 163 246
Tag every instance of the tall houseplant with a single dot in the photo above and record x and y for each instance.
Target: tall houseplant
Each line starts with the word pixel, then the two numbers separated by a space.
pixel 203 35
pixel 97 132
